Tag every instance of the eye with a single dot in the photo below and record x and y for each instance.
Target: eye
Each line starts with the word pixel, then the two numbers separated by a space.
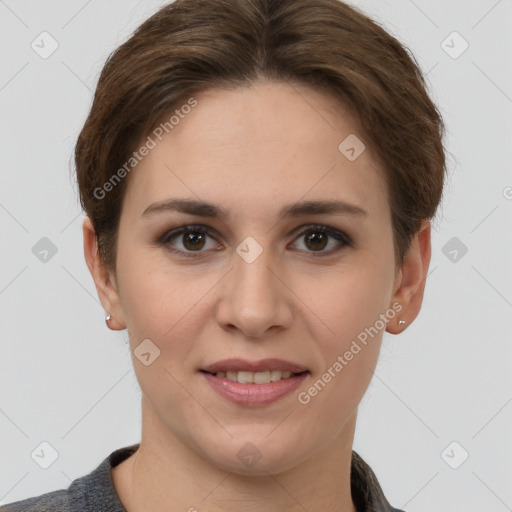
pixel 317 238
pixel 189 239
pixel 194 240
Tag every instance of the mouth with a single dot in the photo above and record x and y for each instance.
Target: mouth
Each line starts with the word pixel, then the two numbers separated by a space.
pixel 254 383
pixel 264 377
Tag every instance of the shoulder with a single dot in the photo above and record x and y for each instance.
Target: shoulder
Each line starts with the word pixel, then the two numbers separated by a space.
pixel 55 501
pixel 367 493
pixel 93 492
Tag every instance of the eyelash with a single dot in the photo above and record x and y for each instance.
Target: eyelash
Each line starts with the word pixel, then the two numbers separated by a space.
pixel 340 236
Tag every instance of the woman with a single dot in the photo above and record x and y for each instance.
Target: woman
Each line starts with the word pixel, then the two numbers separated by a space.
pixel 258 178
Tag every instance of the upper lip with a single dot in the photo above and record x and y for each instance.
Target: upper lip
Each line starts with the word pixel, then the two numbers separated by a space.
pixel 242 365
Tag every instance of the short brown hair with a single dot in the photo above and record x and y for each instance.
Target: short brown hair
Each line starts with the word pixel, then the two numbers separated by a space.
pixel 193 45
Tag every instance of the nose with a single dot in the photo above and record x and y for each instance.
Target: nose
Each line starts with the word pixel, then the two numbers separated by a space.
pixel 254 298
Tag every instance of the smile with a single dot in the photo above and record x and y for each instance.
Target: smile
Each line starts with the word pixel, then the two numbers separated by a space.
pixel 256 377
pixel 254 383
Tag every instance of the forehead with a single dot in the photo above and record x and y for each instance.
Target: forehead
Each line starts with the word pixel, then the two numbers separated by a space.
pixel 257 147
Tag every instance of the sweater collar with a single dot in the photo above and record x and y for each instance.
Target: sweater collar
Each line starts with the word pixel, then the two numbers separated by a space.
pixel 366 490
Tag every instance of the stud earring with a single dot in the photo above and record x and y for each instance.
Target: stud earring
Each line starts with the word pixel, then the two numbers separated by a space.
pixel 108 317
pixel 401 322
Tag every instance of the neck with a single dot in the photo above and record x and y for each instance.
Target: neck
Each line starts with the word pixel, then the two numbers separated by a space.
pixel 166 471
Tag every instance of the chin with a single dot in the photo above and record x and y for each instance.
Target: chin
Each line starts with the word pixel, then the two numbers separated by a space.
pixel 257 454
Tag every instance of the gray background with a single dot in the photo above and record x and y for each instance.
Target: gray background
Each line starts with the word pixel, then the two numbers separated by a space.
pixel 68 381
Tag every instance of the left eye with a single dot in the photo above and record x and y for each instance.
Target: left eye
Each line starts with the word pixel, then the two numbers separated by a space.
pixel 318 238
pixel 194 240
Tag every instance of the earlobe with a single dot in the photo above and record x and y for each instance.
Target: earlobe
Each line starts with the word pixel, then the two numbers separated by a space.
pixel 103 279
pixel 412 279
pixel 113 324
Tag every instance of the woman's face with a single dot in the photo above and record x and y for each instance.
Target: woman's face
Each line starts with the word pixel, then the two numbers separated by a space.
pixel 248 282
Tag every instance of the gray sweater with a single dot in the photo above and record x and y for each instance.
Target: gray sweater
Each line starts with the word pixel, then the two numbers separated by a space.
pixel 95 491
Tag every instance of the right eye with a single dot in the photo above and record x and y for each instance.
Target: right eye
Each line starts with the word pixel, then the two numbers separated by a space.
pixel 190 240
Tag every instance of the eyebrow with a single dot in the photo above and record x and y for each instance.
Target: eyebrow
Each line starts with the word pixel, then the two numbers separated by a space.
pixel 205 209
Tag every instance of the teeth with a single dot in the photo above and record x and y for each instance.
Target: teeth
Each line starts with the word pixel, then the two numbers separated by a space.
pixel 261 377
pixel 246 377
pixel 255 377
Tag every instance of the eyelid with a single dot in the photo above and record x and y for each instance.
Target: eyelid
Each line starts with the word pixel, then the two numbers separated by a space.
pixel 325 228
pixel 173 233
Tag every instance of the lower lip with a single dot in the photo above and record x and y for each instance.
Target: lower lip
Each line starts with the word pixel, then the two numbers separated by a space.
pixel 254 394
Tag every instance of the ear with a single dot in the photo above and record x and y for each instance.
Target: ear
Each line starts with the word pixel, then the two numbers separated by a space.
pixel 410 281
pixel 103 279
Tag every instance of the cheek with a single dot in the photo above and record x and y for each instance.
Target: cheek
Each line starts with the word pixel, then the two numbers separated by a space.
pixel 348 358
pixel 350 301
pixel 163 305
pixel 353 307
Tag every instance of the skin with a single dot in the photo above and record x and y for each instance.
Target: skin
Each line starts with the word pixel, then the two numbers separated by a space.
pixel 253 150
